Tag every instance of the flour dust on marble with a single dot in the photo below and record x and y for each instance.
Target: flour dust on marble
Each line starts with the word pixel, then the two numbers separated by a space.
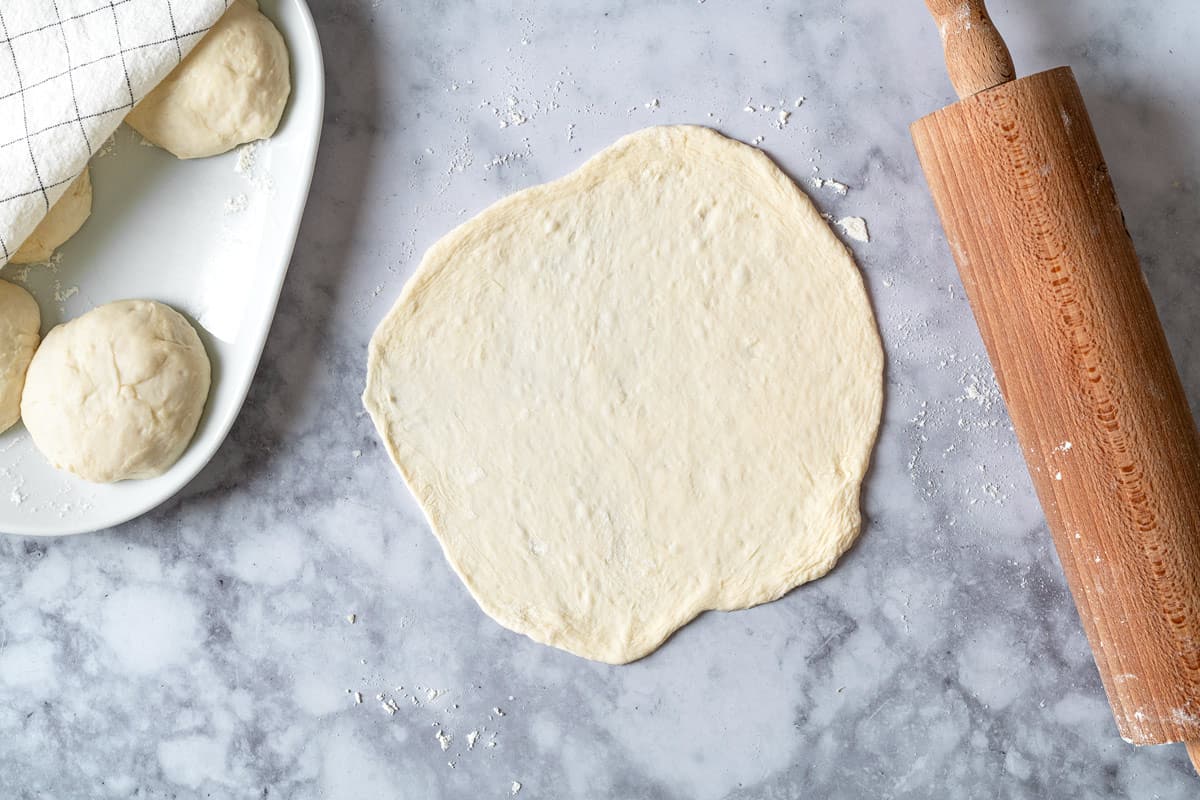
pixel 961 417
pixel 455 731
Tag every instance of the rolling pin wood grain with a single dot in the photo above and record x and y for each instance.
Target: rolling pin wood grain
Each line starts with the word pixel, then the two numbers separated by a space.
pixel 1081 358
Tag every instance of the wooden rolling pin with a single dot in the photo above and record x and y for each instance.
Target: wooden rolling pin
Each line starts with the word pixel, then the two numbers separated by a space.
pixel 1033 222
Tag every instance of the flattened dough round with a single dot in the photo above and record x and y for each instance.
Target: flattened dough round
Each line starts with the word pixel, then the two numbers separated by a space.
pixel 20 323
pixel 645 390
pixel 229 90
pixel 117 393
pixel 63 221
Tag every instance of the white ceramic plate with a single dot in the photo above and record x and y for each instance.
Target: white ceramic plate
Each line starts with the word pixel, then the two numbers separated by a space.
pixel 212 238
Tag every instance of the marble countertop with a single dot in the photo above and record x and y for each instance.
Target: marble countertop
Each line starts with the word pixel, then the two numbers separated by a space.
pixel 205 649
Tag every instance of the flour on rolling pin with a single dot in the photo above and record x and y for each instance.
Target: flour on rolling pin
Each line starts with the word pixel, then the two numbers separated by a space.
pixel 1033 221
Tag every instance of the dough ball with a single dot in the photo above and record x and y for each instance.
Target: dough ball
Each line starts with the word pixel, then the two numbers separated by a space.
pixel 645 390
pixel 229 90
pixel 20 321
pixel 65 218
pixel 117 393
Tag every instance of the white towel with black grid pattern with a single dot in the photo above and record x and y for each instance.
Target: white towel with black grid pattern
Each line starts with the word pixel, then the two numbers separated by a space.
pixel 70 70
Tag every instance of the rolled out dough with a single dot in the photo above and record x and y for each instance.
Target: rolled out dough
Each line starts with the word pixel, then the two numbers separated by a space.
pixel 645 390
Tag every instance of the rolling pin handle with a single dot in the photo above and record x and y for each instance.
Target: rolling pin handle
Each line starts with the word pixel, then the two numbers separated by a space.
pixel 976 56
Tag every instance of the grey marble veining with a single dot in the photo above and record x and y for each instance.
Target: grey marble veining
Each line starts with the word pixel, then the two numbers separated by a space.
pixel 204 650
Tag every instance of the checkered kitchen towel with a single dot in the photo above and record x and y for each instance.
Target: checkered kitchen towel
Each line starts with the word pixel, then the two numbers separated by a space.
pixel 70 70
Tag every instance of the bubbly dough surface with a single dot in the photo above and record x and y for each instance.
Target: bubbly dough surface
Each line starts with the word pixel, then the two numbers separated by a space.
pixel 229 90
pixel 645 390
pixel 117 393
pixel 20 324
pixel 63 221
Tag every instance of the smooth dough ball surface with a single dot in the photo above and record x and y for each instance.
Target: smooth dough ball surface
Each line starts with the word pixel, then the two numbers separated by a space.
pixel 20 321
pixel 229 90
pixel 117 393
pixel 65 218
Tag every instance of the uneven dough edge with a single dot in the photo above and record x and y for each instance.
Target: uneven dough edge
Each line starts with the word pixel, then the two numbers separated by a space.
pixel 61 223
pixel 20 328
pixel 841 531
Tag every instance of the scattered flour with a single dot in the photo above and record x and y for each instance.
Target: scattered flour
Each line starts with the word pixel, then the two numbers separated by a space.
pixel 107 148
pixel 518 107
pixel 504 160
pixel 248 165
pixel 17 273
pixel 461 157
pixel 950 428
pixel 855 228
pixel 24 275
pixel 236 204
pixel 439 717
pixel 836 186
pixel 247 156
